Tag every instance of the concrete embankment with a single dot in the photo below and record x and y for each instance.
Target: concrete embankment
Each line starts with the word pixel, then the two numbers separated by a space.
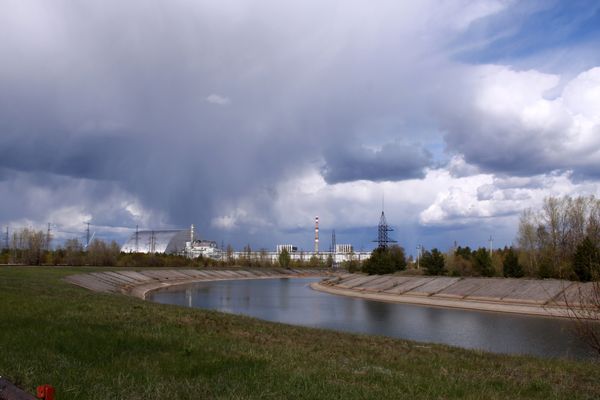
pixel 138 283
pixel 553 298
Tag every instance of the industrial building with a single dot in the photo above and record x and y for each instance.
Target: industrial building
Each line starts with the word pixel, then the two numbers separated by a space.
pixel 165 241
pixel 203 248
pixel 288 247
pixel 183 242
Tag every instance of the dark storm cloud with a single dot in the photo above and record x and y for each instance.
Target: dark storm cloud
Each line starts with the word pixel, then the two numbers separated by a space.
pixel 395 161
pixel 191 106
pixel 118 92
pixel 91 157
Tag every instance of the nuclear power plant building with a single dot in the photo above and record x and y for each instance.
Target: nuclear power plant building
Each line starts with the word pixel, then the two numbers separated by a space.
pixel 167 242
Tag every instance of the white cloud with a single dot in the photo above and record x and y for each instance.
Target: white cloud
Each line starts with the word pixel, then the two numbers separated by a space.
pixel 225 222
pixel 440 199
pixel 69 203
pixel 507 122
pixel 246 215
pixel 218 99
pixel 483 197
pixel 459 168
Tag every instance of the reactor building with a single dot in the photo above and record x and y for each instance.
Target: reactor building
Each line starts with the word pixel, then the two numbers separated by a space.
pixel 165 242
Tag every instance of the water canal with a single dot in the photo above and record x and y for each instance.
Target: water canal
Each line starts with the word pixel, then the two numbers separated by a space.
pixel 292 301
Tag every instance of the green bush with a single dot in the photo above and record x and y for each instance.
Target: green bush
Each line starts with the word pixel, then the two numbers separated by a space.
pixel 510 266
pixel 385 261
pixel 586 261
pixel 433 262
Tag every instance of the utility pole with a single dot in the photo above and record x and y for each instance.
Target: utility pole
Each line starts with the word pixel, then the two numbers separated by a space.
pixel 333 249
pixel 6 239
pixel 418 255
pixel 316 235
pixel 48 237
pixel 137 235
pixel 491 240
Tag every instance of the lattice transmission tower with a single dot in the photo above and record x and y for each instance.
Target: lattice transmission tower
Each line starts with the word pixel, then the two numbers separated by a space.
pixel 383 239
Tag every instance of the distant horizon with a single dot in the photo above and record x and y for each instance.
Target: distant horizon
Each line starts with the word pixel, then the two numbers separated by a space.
pixel 325 239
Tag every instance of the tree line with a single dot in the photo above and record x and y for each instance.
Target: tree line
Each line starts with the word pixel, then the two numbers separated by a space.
pixel 560 240
pixel 31 247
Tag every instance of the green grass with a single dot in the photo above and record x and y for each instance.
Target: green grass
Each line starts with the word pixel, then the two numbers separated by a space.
pixel 100 346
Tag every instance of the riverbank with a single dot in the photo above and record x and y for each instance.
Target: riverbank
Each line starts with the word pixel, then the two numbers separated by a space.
pixel 547 298
pixel 94 345
pixel 140 283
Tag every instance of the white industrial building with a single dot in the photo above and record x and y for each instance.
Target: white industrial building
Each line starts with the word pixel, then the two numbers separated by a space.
pixel 162 241
pixel 343 252
pixel 182 242
pixel 203 248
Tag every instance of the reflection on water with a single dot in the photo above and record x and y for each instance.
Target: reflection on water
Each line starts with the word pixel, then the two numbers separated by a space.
pixel 292 301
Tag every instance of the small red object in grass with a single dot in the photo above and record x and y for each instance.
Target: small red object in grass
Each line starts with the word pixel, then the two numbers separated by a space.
pixel 45 392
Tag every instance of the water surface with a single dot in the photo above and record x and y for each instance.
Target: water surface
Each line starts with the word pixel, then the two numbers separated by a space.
pixel 292 301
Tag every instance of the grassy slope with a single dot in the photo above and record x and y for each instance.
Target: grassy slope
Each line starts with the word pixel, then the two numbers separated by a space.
pixel 100 346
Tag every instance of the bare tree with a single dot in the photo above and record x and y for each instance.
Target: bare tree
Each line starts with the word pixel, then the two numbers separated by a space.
pixel 549 237
pixel 583 304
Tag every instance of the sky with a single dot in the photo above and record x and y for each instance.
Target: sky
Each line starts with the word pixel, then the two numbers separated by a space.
pixel 250 118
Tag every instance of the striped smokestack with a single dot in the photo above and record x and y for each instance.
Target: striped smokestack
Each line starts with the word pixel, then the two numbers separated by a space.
pixel 316 235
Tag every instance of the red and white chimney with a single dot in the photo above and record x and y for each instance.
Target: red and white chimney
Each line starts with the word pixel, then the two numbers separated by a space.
pixel 316 235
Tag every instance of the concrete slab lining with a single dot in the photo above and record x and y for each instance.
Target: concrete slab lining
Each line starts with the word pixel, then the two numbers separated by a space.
pixel 357 279
pixel 205 274
pixel 408 285
pixel 524 296
pixel 528 309
pixel 577 295
pixel 135 275
pixel 190 273
pixel 375 282
pixel 109 280
pixel 359 284
pixel 174 274
pixel 537 292
pixel 390 283
pixel 496 288
pixel 260 273
pixel 433 286
pixel 221 274
pixel 157 275
pixel 90 283
pixel 347 280
pixel 121 277
pixel 245 273
pixel 462 288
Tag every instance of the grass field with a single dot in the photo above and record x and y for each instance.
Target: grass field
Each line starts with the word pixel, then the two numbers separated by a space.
pixel 100 346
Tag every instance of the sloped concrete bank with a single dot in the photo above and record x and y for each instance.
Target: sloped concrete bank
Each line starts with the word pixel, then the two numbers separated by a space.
pixel 549 298
pixel 139 283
